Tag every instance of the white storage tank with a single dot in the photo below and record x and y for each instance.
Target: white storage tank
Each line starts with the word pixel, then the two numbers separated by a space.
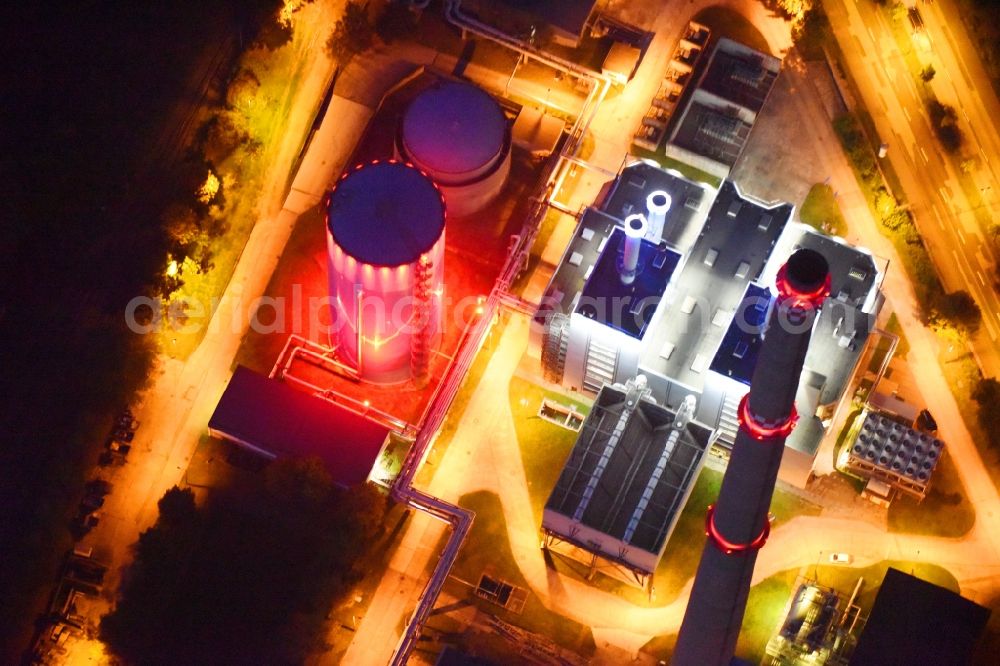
pixel 460 136
pixel 385 239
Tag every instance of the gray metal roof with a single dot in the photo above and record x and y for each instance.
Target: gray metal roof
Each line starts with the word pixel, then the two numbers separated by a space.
pixel 454 128
pixel 385 213
pixel 623 474
pixel 742 235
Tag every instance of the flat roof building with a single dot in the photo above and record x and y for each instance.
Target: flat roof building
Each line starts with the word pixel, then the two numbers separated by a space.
pixel 627 478
pixel 706 323
pixel 274 420
pixel 714 125
pixel 916 622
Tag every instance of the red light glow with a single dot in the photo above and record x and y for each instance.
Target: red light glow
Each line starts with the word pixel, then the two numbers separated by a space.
pixel 730 547
pixel 760 429
pixel 788 294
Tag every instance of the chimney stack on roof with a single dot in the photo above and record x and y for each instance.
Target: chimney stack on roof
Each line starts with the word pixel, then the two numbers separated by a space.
pixel 657 205
pixel 635 229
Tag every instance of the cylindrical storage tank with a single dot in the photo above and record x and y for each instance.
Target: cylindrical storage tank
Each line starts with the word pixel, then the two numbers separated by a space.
pixel 459 135
pixel 385 242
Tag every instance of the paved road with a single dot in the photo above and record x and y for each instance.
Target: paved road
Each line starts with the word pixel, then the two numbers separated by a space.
pixel 944 216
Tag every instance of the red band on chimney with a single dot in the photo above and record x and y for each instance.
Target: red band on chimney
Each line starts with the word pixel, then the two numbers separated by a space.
pixel 787 293
pixel 730 547
pixel 760 429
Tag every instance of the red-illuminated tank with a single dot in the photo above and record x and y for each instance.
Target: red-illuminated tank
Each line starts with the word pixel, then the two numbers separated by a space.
pixel 459 135
pixel 385 239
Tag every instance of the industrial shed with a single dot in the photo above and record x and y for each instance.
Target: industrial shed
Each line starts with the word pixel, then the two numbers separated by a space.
pixel 275 420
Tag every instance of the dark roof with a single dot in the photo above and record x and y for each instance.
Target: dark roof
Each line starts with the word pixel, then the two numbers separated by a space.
pixel 623 474
pixel 741 234
pixel 718 134
pixel 271 416
pixel 627 308
pixel 916 622
pixel 385 213
pixel 638 180
pixel 740 78
pixel 737 355
pixel 454 128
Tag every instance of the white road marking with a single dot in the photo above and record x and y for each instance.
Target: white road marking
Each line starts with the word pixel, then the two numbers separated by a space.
pixel 924 153
pixel 937 216
pixel 907 114
pixel 982 280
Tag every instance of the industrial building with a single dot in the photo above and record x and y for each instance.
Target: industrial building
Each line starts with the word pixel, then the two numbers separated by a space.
pixel 712 128
pixel 385 238
pixel 692 320
pixel 274 420
pixel 739 523
pixel 889 450
pixel 458 135
pixel 626 480
pixel 916 622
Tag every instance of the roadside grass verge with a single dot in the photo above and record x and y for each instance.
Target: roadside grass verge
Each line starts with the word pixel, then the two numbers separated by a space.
pixel 487 550
pixel 821 212
pixel 544 445
pixel 945 511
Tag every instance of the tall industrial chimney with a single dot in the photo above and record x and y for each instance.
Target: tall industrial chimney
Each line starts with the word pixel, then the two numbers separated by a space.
pixel 635 229
pixel 737 525
pixel 657 205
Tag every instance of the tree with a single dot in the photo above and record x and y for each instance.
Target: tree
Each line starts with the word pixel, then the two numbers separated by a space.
pixel 987 397
pixel 242 89
pixel 177 507
pixel 181 224
pixel 944 120
pixel 959 309
pixel 221 136
pixel 927 73
pixel 351 35
pixel 251 576
pixel 396 21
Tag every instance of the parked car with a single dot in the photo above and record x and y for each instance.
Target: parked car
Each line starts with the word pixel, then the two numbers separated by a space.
pixel 840 558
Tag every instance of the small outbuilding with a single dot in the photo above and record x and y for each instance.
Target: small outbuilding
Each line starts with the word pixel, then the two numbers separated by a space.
pixel 274 420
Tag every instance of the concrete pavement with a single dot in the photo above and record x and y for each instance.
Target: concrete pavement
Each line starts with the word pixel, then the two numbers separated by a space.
pixel 942 212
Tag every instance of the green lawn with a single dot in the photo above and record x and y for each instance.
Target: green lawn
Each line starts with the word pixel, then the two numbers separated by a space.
pixel 894 327
pixel 820 211
pixel 962 373
pixel 946 511
pixel 765 606
pixel 487 550
pixel 769 598
pixel 686 170
pixel 544 445
pixel 680 558
pixel 844 579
